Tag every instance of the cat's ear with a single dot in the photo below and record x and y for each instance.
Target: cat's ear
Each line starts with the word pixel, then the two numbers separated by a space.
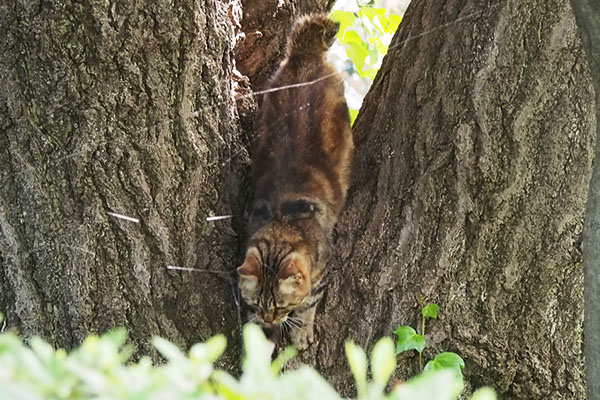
pixel 249 272
pixel 294 275
pixel 251 265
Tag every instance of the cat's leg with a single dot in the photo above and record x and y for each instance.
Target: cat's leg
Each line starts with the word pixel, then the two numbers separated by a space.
pixel 304 335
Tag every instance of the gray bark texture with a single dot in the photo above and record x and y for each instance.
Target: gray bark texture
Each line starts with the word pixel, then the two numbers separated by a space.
pixel 588 20
pixel 122 107
pixel 473 156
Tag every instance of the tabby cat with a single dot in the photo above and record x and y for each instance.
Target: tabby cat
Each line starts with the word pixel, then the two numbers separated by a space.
pixel 301 160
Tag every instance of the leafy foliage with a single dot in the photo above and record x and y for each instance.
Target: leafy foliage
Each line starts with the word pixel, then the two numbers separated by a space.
pixel 366 35
pixel 99 369
pixel 409 339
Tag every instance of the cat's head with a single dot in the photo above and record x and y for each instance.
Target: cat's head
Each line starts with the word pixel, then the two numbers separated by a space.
pixel 274 279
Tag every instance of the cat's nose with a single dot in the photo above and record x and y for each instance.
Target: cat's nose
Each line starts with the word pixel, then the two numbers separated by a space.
pixel 268 318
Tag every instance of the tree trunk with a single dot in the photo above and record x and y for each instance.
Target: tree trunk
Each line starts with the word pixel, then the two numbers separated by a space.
pixel 120 108
pixel 588 20
pixel 473 156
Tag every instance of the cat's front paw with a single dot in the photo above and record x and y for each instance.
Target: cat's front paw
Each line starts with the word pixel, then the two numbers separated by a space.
pixel 302 337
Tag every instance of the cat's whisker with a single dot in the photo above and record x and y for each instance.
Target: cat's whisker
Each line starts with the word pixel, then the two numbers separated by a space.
pixel 290 324
pixel 296 319
pixel 285 325
pixel 250 321
pixel 294 324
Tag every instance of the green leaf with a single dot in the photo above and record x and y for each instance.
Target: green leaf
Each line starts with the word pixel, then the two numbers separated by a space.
pixel 43 350
pixel 358 365
pixel 369 73
pixel 383 362
pixel 303 383
pixel 208 352
pixel 167 349
pixel 353 115
pixel 430 310
pixel 257 356
pixel 282 359
pixel 380 47
pixel 112 348
pixel 353 37
pixel 391 22
pixel 368 12
pixel 216 346
pixel 381 14
pixel 28 361
pixel 9 342
pixel 345 18
pixel 447 360
pixel 228 386
pixel 358 53
pixel 394 22
pixel 408 339
pixel 375 17
pixel 438 385
pixel 373 54
pixel 484 393
pixel 118 336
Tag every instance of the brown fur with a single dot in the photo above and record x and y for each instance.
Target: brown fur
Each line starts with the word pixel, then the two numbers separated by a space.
pixel 301 160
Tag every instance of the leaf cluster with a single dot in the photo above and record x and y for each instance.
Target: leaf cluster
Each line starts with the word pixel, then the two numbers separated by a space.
pixel 365 35
pixel 408 339
pixel 100 369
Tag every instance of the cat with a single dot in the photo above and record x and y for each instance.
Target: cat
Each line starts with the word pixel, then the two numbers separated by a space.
pixel 300 171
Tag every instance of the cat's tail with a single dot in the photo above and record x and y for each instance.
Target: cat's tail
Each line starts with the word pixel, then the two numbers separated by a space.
pixel 311 36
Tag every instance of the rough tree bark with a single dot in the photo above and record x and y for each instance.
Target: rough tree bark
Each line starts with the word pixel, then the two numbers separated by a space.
pixel 123 107
pixel 473 156
pixel 588 20
pixel 262 39
pixel 474 151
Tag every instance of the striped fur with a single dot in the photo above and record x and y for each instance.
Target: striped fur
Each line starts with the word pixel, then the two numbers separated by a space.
pixel 301 159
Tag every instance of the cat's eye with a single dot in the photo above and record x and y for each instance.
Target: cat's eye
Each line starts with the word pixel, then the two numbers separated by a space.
pixel 281 311
pixel 299 209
